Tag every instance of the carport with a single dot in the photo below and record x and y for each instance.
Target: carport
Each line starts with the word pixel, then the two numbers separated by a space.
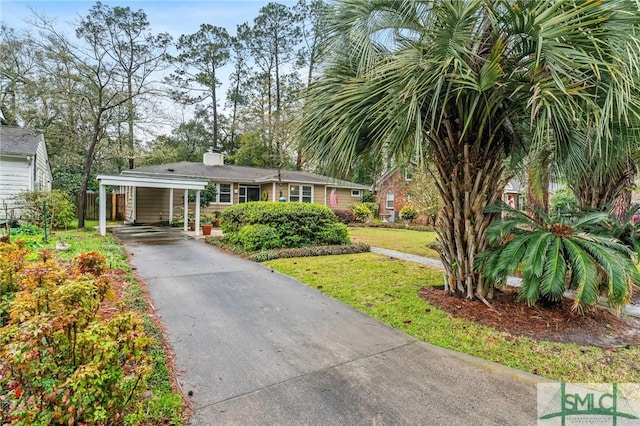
pixel 151 182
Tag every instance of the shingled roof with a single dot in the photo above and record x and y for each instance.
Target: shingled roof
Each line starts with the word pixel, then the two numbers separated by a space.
pixel 233 173
pixel 18 141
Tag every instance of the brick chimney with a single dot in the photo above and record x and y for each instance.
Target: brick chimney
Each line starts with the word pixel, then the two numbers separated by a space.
pixel 213 158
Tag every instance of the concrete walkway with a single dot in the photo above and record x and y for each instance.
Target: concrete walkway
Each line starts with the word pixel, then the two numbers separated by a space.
pixel 254 347
pixel 631 309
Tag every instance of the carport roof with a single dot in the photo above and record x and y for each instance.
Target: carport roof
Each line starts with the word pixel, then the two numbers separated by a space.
pixel 152 182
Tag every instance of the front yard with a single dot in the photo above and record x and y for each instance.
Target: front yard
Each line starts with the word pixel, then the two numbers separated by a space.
pixel 388 290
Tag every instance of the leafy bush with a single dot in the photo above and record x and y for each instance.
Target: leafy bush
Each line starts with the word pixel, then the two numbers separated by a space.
pixel 26 230
pixel 361 213
pixel 12 259
pixel 60 362
pixel 408 213
pixel 627 230
pixel 60 209
pixel 207 195
pixel 296 224
pixel 287 253
pixel 559 254
pixel 344 216
pixel 258 237
pixel 368 197
pixel 563 202
pixel 334 233
pixel 373 208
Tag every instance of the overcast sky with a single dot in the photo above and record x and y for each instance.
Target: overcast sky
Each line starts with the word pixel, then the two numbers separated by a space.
pixel 174 17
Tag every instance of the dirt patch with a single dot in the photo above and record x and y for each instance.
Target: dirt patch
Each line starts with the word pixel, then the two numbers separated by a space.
pixel 557 323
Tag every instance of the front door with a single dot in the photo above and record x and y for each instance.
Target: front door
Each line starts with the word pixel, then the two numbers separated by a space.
pixel 248 193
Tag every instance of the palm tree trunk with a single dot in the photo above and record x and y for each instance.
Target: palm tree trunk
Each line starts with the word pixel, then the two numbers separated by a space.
pixel 468 184
pixel 621 204
pixel 538 185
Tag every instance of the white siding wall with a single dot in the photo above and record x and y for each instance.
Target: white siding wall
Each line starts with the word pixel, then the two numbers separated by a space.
pixel 15 177
pixel 43 172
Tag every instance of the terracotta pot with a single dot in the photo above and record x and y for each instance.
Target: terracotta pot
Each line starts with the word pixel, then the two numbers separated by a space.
pixel 217 222
pixel 192 226
pixel 206 229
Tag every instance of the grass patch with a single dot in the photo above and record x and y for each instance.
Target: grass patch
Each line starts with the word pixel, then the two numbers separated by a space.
pixel 404 240
pixel 387 289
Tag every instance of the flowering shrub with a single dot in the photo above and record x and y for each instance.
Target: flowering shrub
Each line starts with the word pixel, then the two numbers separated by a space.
pixel 60 361
pixel 361 213
pixel 408 213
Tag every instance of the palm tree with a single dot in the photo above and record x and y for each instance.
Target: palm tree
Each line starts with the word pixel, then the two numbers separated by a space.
pixel 556 254
pixel 600 177
pixel 460 82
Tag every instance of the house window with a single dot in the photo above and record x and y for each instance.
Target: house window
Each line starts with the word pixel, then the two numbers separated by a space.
pixel 223 193
pixel 390 199
pixel 301 193
pixel 355 193
pixel 408 175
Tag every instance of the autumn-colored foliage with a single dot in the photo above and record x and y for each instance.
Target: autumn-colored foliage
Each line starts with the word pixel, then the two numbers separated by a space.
pixel 60 362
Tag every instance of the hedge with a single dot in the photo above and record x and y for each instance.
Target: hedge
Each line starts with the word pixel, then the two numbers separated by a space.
pixel 272 225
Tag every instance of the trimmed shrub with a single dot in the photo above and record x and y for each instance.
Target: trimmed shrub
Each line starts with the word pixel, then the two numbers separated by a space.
pixel 334 233
pixel 288 253
pixel 344 216
pixel 258 237
pixel 361 213
pixel 295 224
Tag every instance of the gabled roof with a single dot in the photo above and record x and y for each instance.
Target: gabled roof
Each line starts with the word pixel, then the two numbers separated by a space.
pixel 18 141
pixel 242 174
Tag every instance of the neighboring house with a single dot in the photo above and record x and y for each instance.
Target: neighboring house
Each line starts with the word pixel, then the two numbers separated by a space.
pixel 24 166
pixel 234 184
pixel 394 190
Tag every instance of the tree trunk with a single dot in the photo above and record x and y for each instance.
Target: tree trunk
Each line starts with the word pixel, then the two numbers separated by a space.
pixel 602 195
pixel 621 204
pixel 538 185
pixel 86 174
pixel 468 183
pixel 214 104
pixel 130 120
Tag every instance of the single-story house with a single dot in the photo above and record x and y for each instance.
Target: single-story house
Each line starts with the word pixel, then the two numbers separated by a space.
pixel 24 166
pixel 151 196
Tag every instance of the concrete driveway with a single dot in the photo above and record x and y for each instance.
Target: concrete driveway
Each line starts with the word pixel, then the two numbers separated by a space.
pixel 254 347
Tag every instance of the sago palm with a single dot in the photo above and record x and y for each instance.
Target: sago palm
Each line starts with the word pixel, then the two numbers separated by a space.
pixel 556 254
pixel 460 82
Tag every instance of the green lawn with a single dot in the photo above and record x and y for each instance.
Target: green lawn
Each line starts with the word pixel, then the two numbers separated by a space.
pixel 387 289
pixel 414 242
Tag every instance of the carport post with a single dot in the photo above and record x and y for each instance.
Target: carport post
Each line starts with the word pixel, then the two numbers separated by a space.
pixel 170 206
pixel 102 215
pixel 186 210
pixel 197 212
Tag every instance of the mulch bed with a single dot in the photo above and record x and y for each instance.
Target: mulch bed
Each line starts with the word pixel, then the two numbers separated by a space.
pixel 557 322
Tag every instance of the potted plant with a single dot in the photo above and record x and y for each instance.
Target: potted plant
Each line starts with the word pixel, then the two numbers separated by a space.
pixel 192 221
pixel 206 223
pixel 216 219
